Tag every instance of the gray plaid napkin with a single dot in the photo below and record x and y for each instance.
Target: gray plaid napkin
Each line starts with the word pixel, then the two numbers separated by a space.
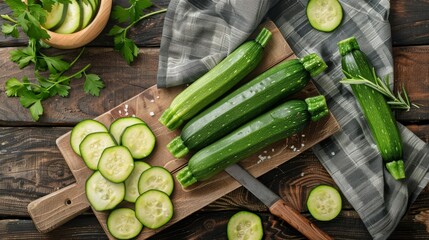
pixel 199 33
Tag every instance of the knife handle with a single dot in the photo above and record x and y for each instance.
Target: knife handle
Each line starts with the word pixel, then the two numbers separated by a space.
pixel 298 221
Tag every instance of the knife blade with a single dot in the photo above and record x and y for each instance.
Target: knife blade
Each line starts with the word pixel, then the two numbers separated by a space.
pixel 276 204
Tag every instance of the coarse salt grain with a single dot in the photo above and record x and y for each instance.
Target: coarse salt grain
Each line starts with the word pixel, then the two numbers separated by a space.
pixel 151 114
pixel 302 174
pixel 152 100
pixel 333 153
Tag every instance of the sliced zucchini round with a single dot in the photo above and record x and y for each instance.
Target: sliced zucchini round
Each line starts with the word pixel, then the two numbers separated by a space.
pixel 92 146
pixel 324 15
pixel 56 16
pixel 324 203
pixel 116 163
pixel 139 139
pixel 73 19
pixel 81 130
pixel 157 178
pixel 87 13
pixel 154 209
pixel 131 183
pixel 245 225
pixel 118 126
pixel 103 194
pixel 122 223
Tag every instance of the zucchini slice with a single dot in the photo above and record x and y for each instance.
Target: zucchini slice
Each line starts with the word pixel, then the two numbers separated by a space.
pixel 324 203
pixel 122 223
pixel 139 139
pixel 81 130
pixel 73 19
pixel 245 225
pixel 88 13
pixel 103 194
pixel 93 146
pixel 156 178
pixel 324 15
pixel 116 163
pixel 131 183
pixel 56 16
pixel 154 209
pixel 118 126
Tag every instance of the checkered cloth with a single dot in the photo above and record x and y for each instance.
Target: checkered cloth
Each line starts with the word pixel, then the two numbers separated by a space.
pixel 199 33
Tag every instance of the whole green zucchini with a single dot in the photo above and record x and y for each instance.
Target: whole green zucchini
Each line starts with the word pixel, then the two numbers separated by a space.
pixel 377 112
pixel 246 102
pixel 215 82
pixel 281 122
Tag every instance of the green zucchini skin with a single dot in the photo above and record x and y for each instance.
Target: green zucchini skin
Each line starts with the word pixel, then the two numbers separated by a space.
pixel 245 103
pixel 215 82
pixel 282 121
pixel 374 106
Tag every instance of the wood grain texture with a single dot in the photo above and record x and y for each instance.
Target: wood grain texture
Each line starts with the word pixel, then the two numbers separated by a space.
pixel 88 34
pixel 122 82
pixel 190 200
pixel 31 167
pixel 298 221
pixel 412 71
pixel 291 180
pixel 409 22
pixel 146 33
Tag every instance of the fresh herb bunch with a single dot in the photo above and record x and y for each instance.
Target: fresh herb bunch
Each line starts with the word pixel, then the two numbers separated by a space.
pixel 400 101
pixel 29 18
pixel 130 15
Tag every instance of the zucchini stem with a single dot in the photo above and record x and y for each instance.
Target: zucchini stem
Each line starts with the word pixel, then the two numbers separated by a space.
pixel 317 107
pixel 263 37
pixel 396 169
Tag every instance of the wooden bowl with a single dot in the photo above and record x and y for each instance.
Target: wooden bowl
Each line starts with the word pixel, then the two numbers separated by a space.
pixel 86 35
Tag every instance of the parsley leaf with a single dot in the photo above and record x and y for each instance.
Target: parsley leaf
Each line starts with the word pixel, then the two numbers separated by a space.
pixel 23 57
pixel 93 84
pixel 36 110
pixel 12 87
pixel 127 48
pixel 132 15
pixel 10 30
pixel 29 18
pixel 56 64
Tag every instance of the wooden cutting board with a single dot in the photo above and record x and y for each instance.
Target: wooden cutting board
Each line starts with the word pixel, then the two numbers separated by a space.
pixel 58 207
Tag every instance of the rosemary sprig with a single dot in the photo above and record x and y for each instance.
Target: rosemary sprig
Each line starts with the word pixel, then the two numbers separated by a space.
pixel 401 101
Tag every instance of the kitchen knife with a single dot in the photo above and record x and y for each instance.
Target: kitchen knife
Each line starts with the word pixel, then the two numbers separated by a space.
pixel 275 204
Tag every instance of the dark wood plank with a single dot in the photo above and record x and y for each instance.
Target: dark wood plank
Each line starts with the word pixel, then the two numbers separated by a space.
pixel 409 22
pixel 122 82
pixel 31 167
pixel 212 226
pixel 36 169
pixel 146 33
pixel 422 131
pixel 412 72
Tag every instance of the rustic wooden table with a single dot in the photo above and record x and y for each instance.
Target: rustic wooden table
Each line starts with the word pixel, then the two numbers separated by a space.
pixel 31 165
